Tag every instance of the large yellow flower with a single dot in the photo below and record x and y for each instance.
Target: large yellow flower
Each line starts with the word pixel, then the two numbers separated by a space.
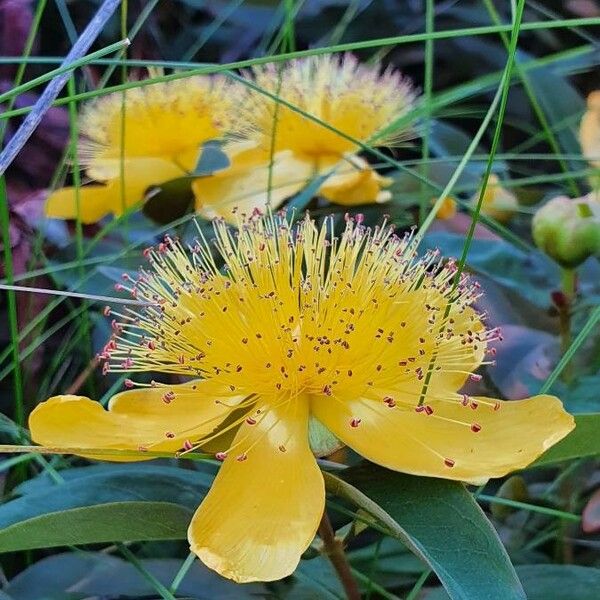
pixel 300 330
pixel 358 101
pixel 144 137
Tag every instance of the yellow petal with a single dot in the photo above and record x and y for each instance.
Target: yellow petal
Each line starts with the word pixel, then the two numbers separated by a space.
pixel 355 182
pixel 262 512
pixel 455 441
pixel 135 418
pixel 589 130
pixel 244 186
pixel 97 201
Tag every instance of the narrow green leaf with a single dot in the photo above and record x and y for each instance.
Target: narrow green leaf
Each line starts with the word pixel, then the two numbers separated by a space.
pixel 551 582
pixel 112 522
pixel 440 522
pixel 104 503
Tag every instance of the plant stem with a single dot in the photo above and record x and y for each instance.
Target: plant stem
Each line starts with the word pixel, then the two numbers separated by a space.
pixel 568 283
pixel 334 549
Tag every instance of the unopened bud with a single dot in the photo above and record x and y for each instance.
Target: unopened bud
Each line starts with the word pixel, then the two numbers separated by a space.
pixel 568 230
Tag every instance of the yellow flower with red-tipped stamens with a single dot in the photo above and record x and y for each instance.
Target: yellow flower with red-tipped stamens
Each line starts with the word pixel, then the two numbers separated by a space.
pixel 284 149
pixel 286 330
pixel 142 137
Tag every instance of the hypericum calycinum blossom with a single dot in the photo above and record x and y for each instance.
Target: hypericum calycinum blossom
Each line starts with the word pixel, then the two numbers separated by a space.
pixel 143 137
pixel 283 149
pixel 298 331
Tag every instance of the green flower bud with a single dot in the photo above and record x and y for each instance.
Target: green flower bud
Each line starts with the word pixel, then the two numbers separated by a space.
pixel 568 230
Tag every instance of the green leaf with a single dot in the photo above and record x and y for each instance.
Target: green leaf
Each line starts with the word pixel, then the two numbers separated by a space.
pixel 583 441
pixel 102 504
pixel 84 575
pixel 441 523
pixel 555 582
pixel 111 522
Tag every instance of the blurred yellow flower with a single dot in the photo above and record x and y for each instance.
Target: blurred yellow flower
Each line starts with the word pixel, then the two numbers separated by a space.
pixel 360 102
pixel 498 202
pixel 447 209
pixel 302 329
pixel 142 137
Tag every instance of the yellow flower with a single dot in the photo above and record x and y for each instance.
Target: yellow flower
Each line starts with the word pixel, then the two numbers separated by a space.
pixel 157 138
pixel 301 330
pixel 498 202
pixel 447 209
pixel 589 134
pixel 357 100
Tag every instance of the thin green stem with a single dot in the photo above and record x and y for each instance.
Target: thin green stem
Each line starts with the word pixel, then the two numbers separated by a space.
pixel 13 322
pixel 155 583
pixel 568 355
pixel 427 93
pixel 183 571
pixel 416 589
pixel 565 309
pixel 535 104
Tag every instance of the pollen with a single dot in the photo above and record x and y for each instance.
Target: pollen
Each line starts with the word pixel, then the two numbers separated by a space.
pixel 357 100
pixel 325 310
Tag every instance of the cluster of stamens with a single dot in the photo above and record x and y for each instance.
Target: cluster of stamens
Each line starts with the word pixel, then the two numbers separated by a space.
pixel 281 312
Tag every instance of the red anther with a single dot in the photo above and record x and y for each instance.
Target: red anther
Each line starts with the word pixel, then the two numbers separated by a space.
pixel 116 326
pixel 125 277
pixel 118 287
pixel 359 218
pixel 142 449
pixel 105 368
pixel 420 408
pixel 127 363
pixel 428 409
pixel 282 448
pixel 389 401
pixel 497 406
pixel 128 383
pixel 475 427
pixel 465 400
pixel 327 390
pixel 151 345
pixel 355 422
pixel 251 421
pixel 474 404
pixel 170 435
pixel 187 445
pixel 168 397
pixel 221 455
pixel 106 311
pixel 147 251
pixel 241 457
pixel 162 248
pixel 261 247
pixel 475 377
pixel 181 359
pixel 449 462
